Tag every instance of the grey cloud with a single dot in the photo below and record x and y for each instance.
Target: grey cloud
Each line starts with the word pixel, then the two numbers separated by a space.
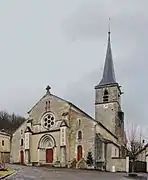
pixel 58 42
pixel 90 20
pixel 129 42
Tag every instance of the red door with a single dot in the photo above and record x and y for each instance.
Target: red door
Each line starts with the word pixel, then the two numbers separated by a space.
pixel 79 152
pixel 49 155
pixel 21 157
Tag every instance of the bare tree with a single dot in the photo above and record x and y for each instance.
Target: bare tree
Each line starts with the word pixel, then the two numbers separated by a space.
pixel 10 122
pixel 135 144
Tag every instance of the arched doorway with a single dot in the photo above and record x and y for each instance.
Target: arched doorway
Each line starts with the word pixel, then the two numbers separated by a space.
pixel 21 157
pixel 49 155
pixel 79 152
pixel 46 146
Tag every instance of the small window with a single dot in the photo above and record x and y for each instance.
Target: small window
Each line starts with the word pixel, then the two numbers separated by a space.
pixel 22 142
pixel 79 122
pixel 115 152
pixel 79 135
pixel 21 131
pixel 2 142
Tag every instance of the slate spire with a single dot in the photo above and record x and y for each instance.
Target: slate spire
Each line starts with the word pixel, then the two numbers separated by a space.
pixel 108 73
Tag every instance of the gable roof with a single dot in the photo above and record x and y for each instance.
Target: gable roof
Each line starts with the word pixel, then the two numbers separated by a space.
pixel 3 132
pixel 76 107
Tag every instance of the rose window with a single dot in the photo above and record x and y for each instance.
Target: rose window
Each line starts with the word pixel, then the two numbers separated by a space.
pixel 48 121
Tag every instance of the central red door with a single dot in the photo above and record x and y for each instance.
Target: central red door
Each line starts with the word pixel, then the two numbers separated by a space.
pixel 79 152
pixel 21 157
pixel 49 155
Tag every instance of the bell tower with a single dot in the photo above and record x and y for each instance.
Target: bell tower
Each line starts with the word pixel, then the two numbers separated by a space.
pixel 108 108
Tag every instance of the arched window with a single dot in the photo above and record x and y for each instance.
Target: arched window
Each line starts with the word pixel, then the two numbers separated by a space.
pixel 105 92
pixel 79 135
pixel 115 152
pixel 22 142
pixel 105 96
pixel 79 122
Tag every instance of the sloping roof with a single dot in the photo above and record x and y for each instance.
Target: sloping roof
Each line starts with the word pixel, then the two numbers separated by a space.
pixel 105 140
pixel 71 104
pixel 3 132
pixel 111 142
pixel 108 73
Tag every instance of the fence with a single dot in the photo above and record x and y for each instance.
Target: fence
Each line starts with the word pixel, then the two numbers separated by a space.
pixel 138 166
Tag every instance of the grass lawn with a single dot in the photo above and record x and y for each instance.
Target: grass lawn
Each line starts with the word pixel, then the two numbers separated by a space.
pixel 8 172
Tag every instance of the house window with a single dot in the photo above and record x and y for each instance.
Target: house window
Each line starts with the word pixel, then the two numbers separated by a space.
pixel 2 142
pixel 79 135
pixel 22 142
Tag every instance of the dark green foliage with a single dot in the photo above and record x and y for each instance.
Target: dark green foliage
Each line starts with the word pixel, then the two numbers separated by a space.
pixel 89 159
pixel 10 122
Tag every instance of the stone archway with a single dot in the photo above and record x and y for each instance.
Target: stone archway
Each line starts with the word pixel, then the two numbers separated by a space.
pixel 46 149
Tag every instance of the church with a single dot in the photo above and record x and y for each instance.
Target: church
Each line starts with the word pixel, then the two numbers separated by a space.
pixel 60 134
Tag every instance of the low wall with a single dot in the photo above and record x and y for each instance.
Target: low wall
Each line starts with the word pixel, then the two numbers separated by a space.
pixel 5 157
pixel 117 165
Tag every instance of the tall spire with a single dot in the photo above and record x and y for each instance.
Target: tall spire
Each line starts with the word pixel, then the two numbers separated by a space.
pixel 108 73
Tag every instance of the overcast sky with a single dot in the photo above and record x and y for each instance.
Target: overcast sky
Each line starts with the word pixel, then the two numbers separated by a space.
pixel 63 44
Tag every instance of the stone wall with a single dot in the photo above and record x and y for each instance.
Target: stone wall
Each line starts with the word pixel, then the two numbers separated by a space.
pixel 142 155
pixel 57 106
pixel 114 160
pixel 5 157
pixel 78 121
pixel 39 155
pixel 5 146
pixel 106 113
pixel 15 143
pixel 119 164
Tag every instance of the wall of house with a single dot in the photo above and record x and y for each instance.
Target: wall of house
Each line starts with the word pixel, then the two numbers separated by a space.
pixel 80 122
pixel 113 159
pixel 16 143
pixel 120 164
pixel 105 133
pixel 142 156
pixel 89 128
pixel 4 147
pixel 6 140
pixel 76 120
pixel 4 157
pixel 34 147
pixel 57 106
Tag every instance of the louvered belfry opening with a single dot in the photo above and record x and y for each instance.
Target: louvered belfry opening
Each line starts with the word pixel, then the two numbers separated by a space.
pixel 105 96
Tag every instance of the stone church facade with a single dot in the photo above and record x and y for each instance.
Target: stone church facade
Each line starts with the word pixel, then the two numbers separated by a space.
pixel 58 133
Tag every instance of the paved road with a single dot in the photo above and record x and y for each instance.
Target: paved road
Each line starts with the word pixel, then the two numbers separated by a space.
pixel 40 173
